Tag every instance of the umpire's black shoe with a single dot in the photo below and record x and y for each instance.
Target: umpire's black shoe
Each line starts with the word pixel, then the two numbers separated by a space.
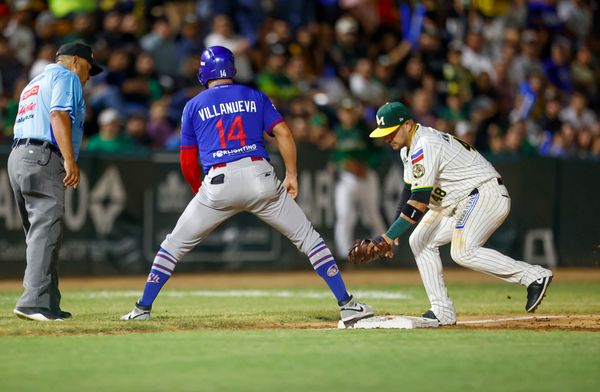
pixel 64 314
pixel 430 315
pixel 37 314
pixel 536 292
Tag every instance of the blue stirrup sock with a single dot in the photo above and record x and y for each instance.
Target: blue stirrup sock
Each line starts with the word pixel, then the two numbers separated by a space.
pixel 162 268
pixel 324 264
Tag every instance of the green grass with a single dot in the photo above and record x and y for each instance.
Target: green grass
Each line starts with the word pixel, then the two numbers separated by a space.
pixel 305 360
pixel 201 343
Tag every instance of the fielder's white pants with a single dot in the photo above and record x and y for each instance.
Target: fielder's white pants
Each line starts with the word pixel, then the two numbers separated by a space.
pixel 474 220
pixel 354 196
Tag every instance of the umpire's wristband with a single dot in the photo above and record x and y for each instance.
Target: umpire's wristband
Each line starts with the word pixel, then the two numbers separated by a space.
pixel 398 228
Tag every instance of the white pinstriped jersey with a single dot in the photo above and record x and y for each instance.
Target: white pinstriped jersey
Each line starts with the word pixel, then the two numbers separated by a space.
pixel 447 165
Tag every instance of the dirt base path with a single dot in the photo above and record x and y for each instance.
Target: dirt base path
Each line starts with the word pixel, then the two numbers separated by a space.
pixel 579 322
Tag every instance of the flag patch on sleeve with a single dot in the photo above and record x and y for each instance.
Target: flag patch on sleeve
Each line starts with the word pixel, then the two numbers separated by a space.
pixel 417 156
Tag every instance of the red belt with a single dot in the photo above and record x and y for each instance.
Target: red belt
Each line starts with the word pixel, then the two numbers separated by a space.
pixel 217 165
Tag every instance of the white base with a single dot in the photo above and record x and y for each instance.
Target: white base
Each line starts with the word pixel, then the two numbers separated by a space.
pixel 391 322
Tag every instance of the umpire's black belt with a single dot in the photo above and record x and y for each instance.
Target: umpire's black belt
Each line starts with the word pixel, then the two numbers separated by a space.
pixel 36 142
pixel 476 191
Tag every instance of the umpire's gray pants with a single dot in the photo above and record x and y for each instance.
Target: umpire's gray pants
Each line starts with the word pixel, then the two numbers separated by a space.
pixel 36 175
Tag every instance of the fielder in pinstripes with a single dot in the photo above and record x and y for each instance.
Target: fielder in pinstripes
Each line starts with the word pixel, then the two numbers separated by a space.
pixel 454 195
pixel 224 126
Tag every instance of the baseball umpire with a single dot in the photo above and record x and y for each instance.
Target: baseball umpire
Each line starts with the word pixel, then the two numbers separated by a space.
pixel 43 162
pixel 224 126
pixel 453 195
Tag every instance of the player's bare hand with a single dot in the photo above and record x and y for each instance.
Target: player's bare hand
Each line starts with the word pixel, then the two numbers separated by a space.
pixel 72 177
pixel 291 184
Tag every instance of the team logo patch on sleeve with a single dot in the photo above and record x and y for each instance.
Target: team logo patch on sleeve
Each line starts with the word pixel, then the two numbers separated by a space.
pixel 417 156
pixel 418 170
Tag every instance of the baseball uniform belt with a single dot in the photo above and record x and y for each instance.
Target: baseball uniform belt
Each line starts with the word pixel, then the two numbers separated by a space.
pixel 36 142
pixel 476 191
pixel 215 166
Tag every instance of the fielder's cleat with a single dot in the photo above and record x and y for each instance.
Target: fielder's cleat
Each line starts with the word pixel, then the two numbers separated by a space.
pixel 139 312
pixel 37 314
pixel 431 316
pixel 536 291
pixel 351 311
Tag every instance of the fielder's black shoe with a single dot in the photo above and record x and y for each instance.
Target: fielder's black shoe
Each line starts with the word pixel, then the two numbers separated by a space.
pixel 38 314
pixel 536 292
pixel 430 315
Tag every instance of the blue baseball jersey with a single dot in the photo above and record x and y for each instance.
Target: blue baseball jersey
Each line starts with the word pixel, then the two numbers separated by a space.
pixel 226 123
pixel 56 88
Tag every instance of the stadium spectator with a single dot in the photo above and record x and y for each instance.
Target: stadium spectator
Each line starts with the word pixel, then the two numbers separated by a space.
pixel 160 43
pixel 558 66
pixel 577 17
pixel 528 61
pixel 365 86
pixel 582 72
pixel 563 142
pixel 143 87
pixel 473 58
pixel 110 138
pixel 45 30
pixel 550 120
pixel 412 78
pixel 272 79
pixel 347 49
pixel 578 114
pixel 159 129
pixel 454 111
pixel 189 42
pixel 19 33
pixel 457 77
pixel 223 34
pixel 422 108
pixel 84 29
pixel 135 128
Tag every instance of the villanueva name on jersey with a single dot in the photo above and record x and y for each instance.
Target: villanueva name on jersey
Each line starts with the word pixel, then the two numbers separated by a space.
pixel 208 112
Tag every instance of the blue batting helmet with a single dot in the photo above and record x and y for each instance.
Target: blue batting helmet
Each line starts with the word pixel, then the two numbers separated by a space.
pixel 216 62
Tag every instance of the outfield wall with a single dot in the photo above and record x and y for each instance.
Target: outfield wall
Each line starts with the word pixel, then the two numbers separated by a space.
pixel 125 205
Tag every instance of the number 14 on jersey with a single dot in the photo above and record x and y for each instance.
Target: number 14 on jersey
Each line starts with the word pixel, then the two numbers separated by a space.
pixel 235 132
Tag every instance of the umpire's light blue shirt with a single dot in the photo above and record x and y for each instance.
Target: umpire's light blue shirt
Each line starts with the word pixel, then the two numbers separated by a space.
pixel 56 88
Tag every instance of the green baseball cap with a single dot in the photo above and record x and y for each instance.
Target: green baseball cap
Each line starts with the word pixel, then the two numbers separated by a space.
pixel 389 117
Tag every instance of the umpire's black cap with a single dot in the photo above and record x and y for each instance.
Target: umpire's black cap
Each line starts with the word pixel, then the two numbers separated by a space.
pixel 80 50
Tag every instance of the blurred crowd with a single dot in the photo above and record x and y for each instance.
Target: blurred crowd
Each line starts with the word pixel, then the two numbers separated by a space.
pixel 511 77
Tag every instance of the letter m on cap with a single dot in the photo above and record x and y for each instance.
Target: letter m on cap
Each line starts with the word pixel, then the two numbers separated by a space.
pixel 380 120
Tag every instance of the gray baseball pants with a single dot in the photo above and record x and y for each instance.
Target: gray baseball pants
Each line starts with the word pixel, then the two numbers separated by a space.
pixel 36 175
pixel 242 185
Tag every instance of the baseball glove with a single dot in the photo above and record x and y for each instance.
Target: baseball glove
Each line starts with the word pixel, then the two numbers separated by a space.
pixel 368 250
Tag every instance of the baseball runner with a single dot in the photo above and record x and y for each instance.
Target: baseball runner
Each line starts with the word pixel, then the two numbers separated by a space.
pixel 224 125
pixel 48 132
pixel 453 195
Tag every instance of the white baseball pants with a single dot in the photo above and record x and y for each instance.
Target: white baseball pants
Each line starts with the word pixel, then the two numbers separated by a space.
pixel 474 220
